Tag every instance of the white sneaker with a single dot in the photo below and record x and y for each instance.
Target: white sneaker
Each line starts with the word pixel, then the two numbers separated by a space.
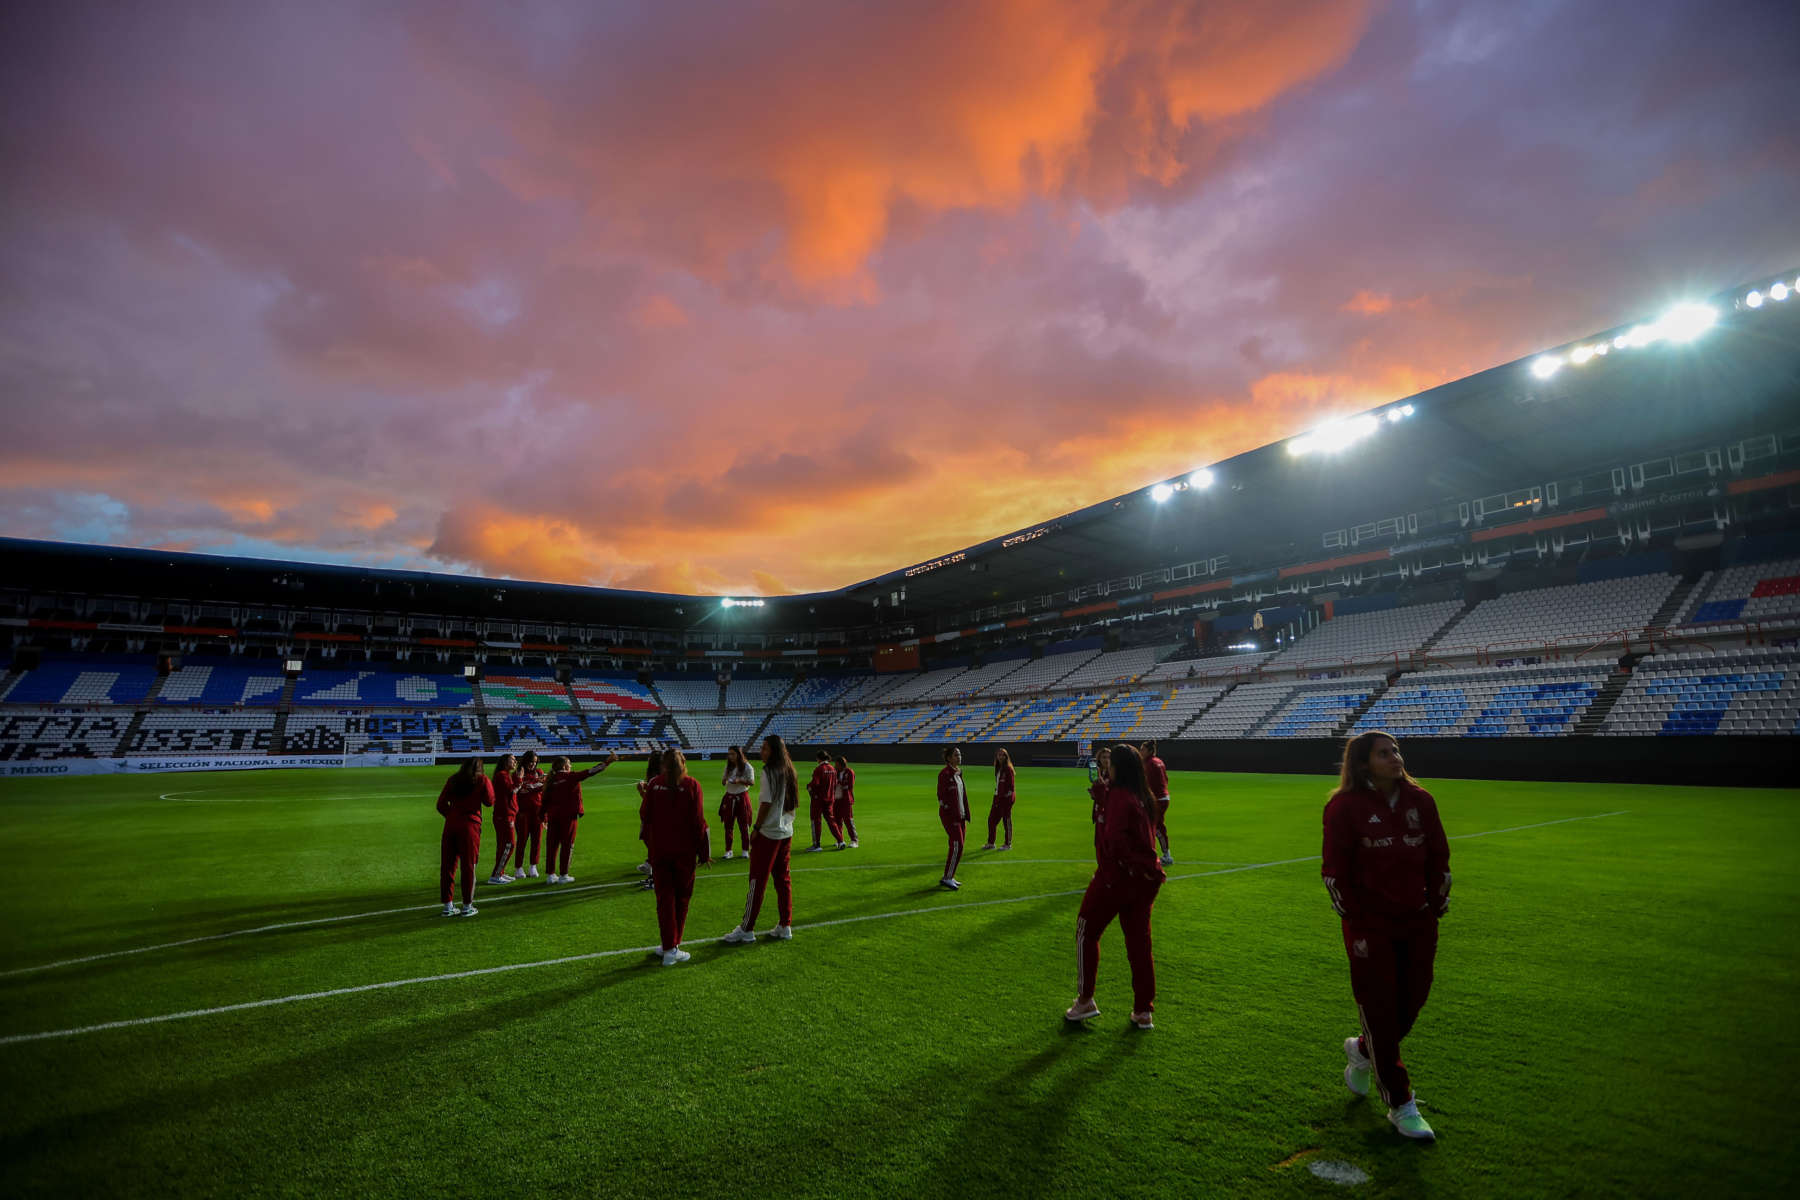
pixel 643 868
pixel 1008 846
pixel 568 879
pixel 677 955
pixel 738 937
pixel 843 845
pixel 949 885
pixel 1082 1011
pixel 468 910
pixel 534 871
pixel 1168 860
pixel 1143 1020
pixel 555 879
pixel 854 845
pixel 1407 1120
pixel 781 933
pixel 499 878
pixel 728 856
pixel 449 910
pixel 816 850
pixel 1356 1068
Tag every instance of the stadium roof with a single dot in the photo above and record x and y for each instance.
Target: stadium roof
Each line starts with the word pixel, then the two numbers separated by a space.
pixel 1507 427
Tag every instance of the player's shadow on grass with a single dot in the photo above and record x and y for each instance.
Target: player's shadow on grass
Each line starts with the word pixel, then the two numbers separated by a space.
pixel 332 1070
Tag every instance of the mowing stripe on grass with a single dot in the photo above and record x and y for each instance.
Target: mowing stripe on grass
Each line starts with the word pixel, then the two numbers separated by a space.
pixel 46 1035
pixel 490 898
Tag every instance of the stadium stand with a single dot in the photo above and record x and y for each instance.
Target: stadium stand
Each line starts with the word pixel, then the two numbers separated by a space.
pixel 1318 711
pixel 61 735
pixel 974 682
pixel 1241 708
pixel 1753 693
pixel 1747 592
pixel 1537 701
pixel 716 731
pixel 514 732
pixel 759 694
pixel 1114 667
pixel 615 692
pixel 1048 672
pixel 539 693
pixel 1542 615
pixel 406 733
pixel 85 683
pixel 960 722
pixel 164 733
pixel 889 725
pixel 381 689
pixel 1042 719
pixel 688 695
pixel 1366 637
pixel 798 726
pixel 1177 670
pixel 865 689
pixel 822 690
pixel 222 685
pixel 917 687
pixel 315 734
pixel 1145 714
pixel 632 732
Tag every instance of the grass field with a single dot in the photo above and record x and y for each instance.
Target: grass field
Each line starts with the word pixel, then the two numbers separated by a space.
pixel 1614 1014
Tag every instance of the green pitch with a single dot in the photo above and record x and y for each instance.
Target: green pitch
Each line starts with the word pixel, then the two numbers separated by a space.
pixel 1614 1012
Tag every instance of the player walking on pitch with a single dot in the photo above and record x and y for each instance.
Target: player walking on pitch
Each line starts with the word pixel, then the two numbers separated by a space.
pixel 506 813
pixel 1157 774
pixel 772 844
pixel 1127 876
pixel 1387 870
pixel 562 808
pixel 820 788
pixel 460 802
pixel 1000 811
pixel 845 804
pixel 953 814
pixel 676 820
pixel 734 808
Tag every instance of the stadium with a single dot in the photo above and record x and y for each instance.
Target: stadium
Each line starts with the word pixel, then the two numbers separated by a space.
pixel 1570 586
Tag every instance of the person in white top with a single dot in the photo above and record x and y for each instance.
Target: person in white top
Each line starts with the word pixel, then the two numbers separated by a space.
pixel 734 809
pixel 778 799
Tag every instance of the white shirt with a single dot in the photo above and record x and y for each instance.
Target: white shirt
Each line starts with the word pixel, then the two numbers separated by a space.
pixel 738 781
pixel 779 824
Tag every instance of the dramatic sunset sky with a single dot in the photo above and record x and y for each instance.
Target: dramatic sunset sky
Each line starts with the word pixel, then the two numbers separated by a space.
pixel 760 297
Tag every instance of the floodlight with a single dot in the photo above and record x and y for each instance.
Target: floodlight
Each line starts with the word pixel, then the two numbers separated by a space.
pixel 1546 366
pixel 1601 349
pixel 1202 478
pixel 1778 291
pixel 1622 341
pixel 1685 322
pixel 1161 493
pixel 1299 446
pixel 1581 354
pixel 1395 416
pixel 1407 409
pixel 1753 300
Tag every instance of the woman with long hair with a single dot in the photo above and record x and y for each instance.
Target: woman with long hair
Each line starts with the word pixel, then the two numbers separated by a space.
pixel 1387 871
pixel 562 808
pixel 506 813
pixel 953 814
pixel 771 845
pixel 676 820
pixel 845 804
pixel 528 825
pixel 460 802
pixel 734 807
pixel 1000 811
pixel 1127 875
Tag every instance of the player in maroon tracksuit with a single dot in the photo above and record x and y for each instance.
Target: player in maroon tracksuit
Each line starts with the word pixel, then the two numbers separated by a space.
pixel 528 826
pixel 734 805
pixel 1000 811
pixel 460 802
pixel 1156 774
pixel 674 812
pixel 1127 876
pixel 845 804
pixel 562 808
pixel 506 814
pixel 819 789
pixel 953 815
pixel 1387 869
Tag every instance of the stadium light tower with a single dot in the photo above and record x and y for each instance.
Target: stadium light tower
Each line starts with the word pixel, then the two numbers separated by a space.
pixel 1161 493
pixel 1202 478
pixel 1546 366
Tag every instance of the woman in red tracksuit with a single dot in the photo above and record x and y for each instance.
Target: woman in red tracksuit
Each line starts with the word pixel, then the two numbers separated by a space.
pixel 528 826
pixel 460 802
pixel 1127 875
pixel 506 813
pixel 674 813
pixel 562 808
pixel 1387 870
pixel 819 789
pixel 845 804
pixel 1000 811
pixel 953 814
pixel 734 807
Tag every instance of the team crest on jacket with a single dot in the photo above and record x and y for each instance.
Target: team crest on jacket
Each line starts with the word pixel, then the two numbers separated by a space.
pixel 1374 820
pixel 1412 818
pixel 1360 947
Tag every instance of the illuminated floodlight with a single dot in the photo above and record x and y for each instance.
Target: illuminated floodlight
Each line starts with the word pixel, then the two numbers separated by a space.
pixel 1640 335
pixel 1395 416
pixel 1299 446
pixel 1622 341
pixel 1339 435
pixel 728 602
pixel 1601 349
pixel 1407 409
pixel 1202 478
pixel 1581 354
pixel 1778 291
pixel 1546 366
pixel 1753 300
pixel 1685 322
pixel 1161 493
pixel 1243 646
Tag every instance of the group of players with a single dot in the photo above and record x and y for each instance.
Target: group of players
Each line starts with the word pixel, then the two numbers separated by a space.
pixel 1386 863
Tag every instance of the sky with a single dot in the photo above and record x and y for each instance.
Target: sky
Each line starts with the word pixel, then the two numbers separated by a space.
pixel 769 297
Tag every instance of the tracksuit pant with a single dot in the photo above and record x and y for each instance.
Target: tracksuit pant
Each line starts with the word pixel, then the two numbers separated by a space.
pixel 461 846
pixel 529 829
pixel 1110 894
pixel 953 829
pixel 1390 976
pixel 769 858
pixel 999 813
pixel 503 834
pixel 674 879
pixel 561 841
pixel 734 814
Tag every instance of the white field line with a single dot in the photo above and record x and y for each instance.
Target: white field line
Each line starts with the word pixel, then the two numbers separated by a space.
pixel 489 897
pixel 76 1031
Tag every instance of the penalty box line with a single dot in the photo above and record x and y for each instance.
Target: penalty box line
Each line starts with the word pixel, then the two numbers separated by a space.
pixel 593 956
